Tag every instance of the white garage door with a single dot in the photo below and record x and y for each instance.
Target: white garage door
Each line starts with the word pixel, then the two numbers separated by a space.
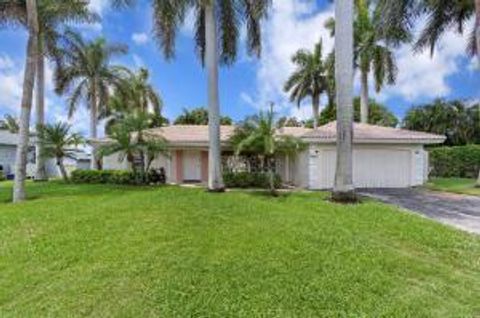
pixel 372 168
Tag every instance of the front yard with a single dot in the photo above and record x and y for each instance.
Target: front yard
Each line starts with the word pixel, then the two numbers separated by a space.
pixel 455 185
pixel 172 252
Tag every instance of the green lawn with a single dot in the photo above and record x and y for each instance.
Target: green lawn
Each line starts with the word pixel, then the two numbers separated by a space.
pixel 455 185
pixel 106 251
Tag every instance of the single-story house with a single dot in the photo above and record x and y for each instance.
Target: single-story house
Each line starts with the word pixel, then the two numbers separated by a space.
pixel 382 156
pixel 8 150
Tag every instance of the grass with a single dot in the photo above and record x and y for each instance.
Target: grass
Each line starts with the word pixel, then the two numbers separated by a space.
pixel 111 251
pixel 455 185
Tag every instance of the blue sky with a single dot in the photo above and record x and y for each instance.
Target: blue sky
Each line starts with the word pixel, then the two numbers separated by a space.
pixel 250 84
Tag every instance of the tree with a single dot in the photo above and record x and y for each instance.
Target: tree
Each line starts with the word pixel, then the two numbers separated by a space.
pixel 258 135
pixel 199 116
pixel 85 73
pixel 52 14
pixel 343 190
pixel 289 122
pixel 378 115
pixel 59 143
pixel 19 193
pixel 309 79
pixel 458 121
pixel 217 33
pixel 144 97
pixel 371 53
pixel 10 123
pixel 131 141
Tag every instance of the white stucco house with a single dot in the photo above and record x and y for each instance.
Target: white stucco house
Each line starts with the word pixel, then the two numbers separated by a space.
pixel 383 157
pixel 8 149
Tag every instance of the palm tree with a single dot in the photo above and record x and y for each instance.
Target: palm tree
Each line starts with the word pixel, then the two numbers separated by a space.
pixel 259 135
pixel 344 190
pixel 217 22
pixel 309 79
pixel 51 15
pixel 130 141
pixel 144 96
pixel 371 53
pixel 59 143
pixel 10 123
pixel 86 74
pixel 19 193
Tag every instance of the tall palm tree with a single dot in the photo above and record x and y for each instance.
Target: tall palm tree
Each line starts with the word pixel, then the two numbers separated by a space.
pixel 86 74
pixel 144 95
pixel 217 33
pixel 52 14
pixel 59 143
pixel 31 16
pixel 371 53
pixel 309 79
pixel 344 190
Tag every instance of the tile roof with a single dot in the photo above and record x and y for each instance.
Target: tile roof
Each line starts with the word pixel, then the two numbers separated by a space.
pixel 366 132
pixel 186 134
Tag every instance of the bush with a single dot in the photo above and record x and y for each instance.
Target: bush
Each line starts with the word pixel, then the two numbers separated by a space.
pixel 2 176
pixel 459 161
pixel 250 180
pixel 113 177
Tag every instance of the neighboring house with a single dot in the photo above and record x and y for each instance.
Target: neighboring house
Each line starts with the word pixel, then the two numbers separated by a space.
pixel 8 150
pixel 382 156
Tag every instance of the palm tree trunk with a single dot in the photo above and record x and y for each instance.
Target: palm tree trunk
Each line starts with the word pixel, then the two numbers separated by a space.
pixel 316 110
pixel 215 180
pixel 343 190
pixel 62 169
pixel 364 98
pixel 19 193
pixel 93 125
pixel 40 170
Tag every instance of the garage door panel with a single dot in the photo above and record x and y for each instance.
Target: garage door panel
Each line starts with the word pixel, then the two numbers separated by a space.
pixel 372 168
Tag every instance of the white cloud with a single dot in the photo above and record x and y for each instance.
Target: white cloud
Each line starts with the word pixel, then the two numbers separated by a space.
pixel 188 26
pixel 138 61
pixel 424 76
pixel 98 6
pixel 5 62
pixel 292 25
pixel 140 38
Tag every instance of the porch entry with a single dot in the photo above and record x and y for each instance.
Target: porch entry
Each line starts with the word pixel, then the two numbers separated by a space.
pixel 192 166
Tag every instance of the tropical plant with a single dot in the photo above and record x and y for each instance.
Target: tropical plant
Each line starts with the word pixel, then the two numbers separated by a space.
pixel 379 114
pixel 131 142
pixel 52 15
pixel 144 97
pixel 259 135
pixel 10 123
pixel 58 142
pixel 199 116
pixel 84 72
pixel 399 17
pixel 309 79
pixel 19 193
pixel 343 190
pixel 455 119
pixel 371 53
pixel 218 25
pixel 289 122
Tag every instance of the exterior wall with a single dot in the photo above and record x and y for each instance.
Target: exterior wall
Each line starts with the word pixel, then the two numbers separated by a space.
pixel 7 158
pixel 299 169
pixel 112 162
pixel 385 165
pixel 204 163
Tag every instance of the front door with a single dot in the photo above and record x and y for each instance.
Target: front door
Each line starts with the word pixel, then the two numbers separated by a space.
pixel 192 169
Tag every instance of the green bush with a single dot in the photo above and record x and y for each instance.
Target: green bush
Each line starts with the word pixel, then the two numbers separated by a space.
pixel 459 161
pixel 250 180
pixel 110 177
pixel 2 176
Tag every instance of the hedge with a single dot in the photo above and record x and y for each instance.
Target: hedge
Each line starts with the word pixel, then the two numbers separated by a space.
pixel 2 176
pixel 250 180
pixel 113 177
pixel 459 161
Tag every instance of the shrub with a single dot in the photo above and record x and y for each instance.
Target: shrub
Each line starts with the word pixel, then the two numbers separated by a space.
pixel 112 177
pixel 459 161
pixel 250 180
pixel 2 176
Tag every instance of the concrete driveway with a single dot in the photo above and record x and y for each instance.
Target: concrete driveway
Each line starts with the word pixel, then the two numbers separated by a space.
pixel 460 211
